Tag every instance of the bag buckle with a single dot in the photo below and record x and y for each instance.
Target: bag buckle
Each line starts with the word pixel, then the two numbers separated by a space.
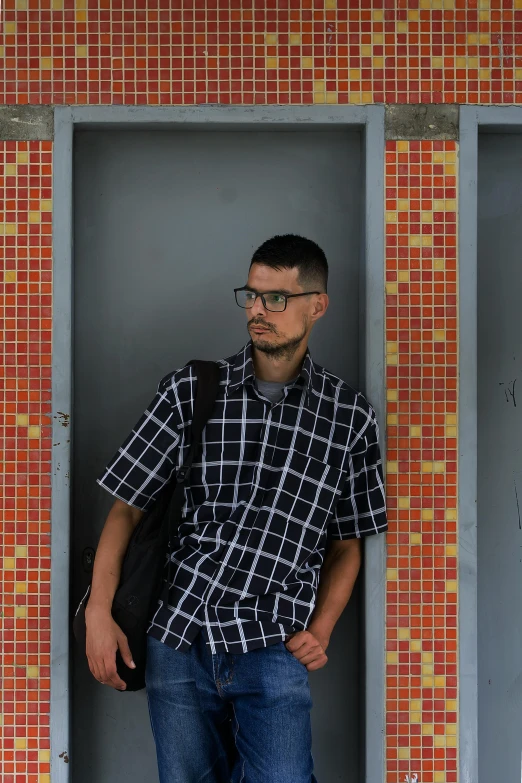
pixel 183 472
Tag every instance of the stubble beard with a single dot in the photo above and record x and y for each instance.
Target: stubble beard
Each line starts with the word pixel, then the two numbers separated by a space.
pixel 280 351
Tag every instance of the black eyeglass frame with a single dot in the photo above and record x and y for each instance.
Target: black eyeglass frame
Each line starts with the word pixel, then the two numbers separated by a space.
pixel 279 293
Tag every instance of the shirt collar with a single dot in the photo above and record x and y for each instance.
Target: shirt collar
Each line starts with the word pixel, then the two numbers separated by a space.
pixel 242 370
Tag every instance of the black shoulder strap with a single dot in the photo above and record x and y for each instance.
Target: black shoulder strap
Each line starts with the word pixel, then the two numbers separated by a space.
pixel 207 389
pixel 207 379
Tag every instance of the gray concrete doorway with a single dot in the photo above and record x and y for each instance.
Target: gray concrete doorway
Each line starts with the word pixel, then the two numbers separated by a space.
pixel 165 223
pixel 499 473
pixel 368 121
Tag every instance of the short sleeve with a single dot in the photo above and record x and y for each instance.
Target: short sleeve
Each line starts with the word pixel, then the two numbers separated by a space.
pixel 361 508
pixel 145 460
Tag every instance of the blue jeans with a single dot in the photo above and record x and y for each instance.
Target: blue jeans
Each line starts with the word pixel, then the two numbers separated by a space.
pixel 229 717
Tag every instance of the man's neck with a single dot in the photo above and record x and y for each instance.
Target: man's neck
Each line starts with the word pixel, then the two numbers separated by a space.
pixel 267 368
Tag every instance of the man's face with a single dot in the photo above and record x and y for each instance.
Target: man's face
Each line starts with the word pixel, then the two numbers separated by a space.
pixel 280 333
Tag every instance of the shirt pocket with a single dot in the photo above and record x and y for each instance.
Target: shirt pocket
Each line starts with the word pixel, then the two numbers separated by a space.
pixel 301 502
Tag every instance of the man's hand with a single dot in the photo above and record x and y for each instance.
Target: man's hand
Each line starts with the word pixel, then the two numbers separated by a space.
pixel 104 638
pixel 308 649
pixel 337 577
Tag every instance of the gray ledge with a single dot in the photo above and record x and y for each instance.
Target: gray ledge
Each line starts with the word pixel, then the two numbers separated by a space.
pixel 26 123
pixel 422 121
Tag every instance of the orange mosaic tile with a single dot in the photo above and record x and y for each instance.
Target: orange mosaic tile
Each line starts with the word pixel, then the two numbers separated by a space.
pixel 259 52
pixel 230 51
pixel 421 384
pixel 25 446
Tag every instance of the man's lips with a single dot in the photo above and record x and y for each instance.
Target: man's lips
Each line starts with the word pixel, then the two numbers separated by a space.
pixel 255 328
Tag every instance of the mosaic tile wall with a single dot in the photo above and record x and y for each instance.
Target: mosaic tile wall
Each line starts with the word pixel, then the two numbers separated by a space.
pixel 25 455
pixel 421 390
pixel 261 51
pixel 248 52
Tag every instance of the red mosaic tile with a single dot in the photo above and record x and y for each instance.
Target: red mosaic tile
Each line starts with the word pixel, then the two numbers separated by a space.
pixel 421 381
pixel 25 428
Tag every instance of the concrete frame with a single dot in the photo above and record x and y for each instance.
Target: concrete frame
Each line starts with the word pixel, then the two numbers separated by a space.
pixel 370 119
pixel 473 119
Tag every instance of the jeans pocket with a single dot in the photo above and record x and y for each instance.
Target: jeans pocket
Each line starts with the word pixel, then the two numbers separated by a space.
pixel 296 660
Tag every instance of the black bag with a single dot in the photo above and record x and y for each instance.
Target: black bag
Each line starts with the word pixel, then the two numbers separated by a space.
pixel 142 579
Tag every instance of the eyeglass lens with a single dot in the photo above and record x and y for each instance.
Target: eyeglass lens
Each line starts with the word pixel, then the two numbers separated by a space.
pixel 275 302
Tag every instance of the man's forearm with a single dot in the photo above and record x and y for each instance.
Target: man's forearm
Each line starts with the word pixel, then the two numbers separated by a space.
pixel 336 580
pixel 112 546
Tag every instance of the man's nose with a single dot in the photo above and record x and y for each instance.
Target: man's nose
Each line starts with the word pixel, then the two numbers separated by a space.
pixel 258 307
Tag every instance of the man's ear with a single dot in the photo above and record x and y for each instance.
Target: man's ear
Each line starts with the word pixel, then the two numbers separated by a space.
pixel 320 306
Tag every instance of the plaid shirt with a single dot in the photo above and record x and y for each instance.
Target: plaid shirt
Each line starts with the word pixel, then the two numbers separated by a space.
pixel 273 483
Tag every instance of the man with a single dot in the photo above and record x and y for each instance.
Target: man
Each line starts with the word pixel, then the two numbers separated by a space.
pixel 289 481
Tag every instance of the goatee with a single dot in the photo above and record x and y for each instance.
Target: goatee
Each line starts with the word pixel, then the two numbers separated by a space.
pixel 283 350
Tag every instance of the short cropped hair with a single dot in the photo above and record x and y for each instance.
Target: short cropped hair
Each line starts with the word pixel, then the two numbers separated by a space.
pixel 289 251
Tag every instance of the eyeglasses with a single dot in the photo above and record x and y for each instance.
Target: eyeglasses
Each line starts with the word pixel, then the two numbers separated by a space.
pixel 274 300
